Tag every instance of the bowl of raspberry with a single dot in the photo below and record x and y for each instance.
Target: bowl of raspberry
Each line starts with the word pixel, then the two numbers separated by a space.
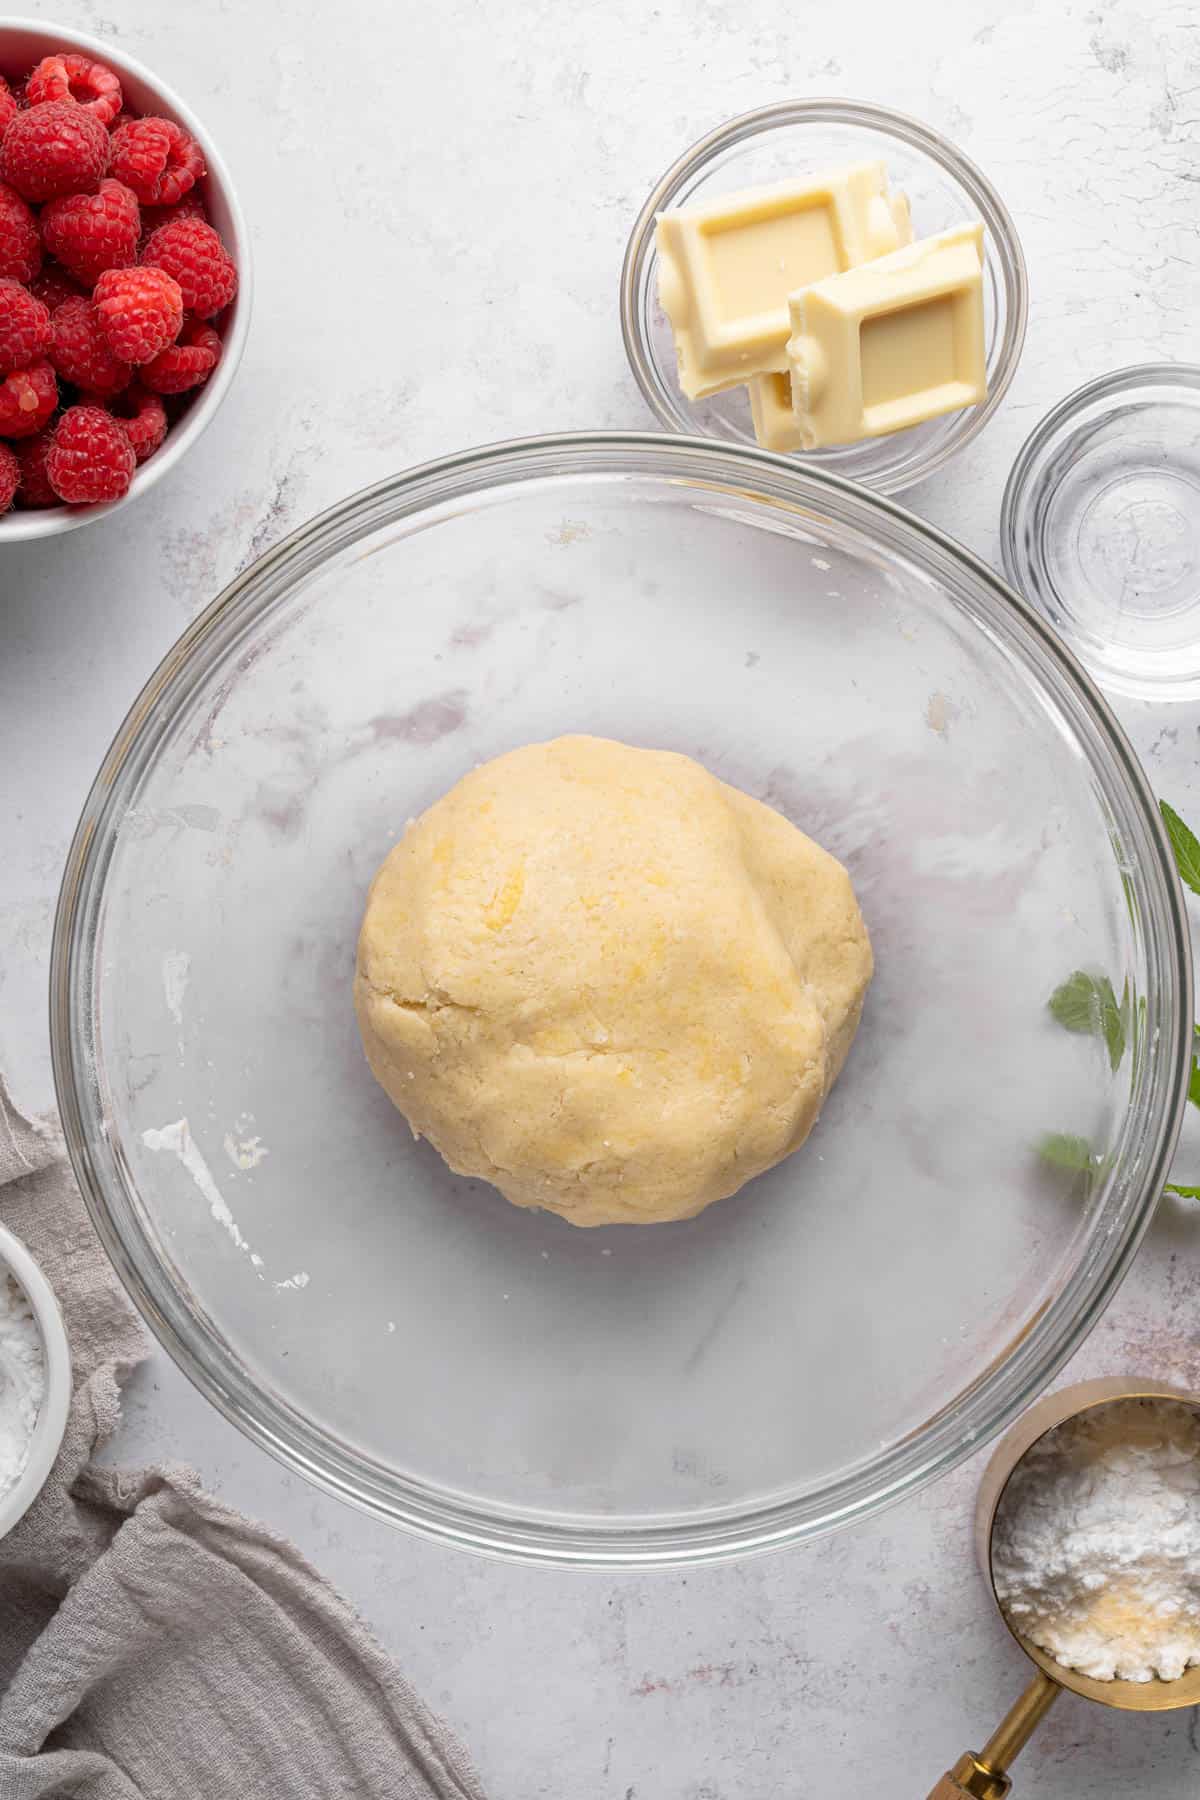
pixel 124 279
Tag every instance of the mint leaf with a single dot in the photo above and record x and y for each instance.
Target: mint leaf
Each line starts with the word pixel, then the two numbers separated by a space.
pixel 1074 1154
pixel 1194 1081
pixel 1076 1157
pixel 1087 1003
pixel 1185 845
pixel 1185 1193
pixel 1074 1003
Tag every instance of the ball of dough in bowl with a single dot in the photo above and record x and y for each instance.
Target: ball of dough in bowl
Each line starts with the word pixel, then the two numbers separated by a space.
pixel 607 983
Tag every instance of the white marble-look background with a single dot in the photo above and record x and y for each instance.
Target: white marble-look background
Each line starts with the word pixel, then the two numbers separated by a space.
pixel 439 197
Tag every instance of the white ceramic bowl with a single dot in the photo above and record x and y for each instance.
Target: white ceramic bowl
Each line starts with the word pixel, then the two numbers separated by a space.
pixel 52 1419
pixel 22 43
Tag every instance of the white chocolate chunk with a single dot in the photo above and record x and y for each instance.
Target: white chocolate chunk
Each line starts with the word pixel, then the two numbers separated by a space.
pixel 891 344
pixel 776 426
pixel 727 266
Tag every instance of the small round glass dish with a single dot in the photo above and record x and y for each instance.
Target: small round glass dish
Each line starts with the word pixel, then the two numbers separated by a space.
pixel 790 139
pixel 850 1325
pixel 1100 527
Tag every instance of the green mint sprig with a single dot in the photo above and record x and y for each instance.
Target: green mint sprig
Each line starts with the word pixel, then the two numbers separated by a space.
pixel 1088 1004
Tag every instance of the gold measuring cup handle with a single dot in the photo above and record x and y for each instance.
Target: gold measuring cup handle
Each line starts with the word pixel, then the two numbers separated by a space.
pixel 985 1777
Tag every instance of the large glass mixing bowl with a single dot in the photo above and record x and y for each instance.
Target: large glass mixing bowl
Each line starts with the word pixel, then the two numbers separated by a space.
pixel 850 1325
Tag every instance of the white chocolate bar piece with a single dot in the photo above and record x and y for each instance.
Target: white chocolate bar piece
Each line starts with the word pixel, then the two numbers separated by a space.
pixel 776 426
pixel 727 266
pixel 890 344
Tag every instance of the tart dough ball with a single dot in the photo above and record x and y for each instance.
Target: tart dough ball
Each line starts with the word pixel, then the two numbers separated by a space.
pixel 607 983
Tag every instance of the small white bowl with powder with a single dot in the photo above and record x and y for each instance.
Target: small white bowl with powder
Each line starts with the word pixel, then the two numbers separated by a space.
pixel 35 1380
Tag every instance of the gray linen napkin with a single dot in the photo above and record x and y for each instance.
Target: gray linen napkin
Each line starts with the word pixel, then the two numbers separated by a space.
pixel 154 1645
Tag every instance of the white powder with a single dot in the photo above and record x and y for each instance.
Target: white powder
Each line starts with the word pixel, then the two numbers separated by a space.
pixel 245 1152
pixel 22 1380
pixel 176 973
pixel 1096 1547
pixel 178 1138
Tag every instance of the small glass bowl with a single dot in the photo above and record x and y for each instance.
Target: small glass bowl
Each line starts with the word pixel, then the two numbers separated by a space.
pixel 1100 527
pixel 943 188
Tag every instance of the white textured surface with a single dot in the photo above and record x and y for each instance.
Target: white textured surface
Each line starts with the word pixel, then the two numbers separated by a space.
pixel 458 181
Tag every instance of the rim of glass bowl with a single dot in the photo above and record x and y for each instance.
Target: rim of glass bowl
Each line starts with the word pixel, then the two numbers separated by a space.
pixel 1039 1347
pixel 667 403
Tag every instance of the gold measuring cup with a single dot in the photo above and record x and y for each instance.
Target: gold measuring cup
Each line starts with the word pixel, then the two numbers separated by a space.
pixel 984 1775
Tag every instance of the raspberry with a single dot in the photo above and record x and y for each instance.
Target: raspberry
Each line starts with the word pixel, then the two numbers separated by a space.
pixel 90 458
pixel 157 159
pixel 20 244
pixel 143 418
pixel 89 233
pixel 192 252
pixel 27 399
pixel 77 78
pixel 140 311
pixel 53 286
pixel 35 489
pixel 10 477
pixel 79 349
pixel 58 148
pixel 187 364
pixel 190 207
pixel 8 105
pixel 24 327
